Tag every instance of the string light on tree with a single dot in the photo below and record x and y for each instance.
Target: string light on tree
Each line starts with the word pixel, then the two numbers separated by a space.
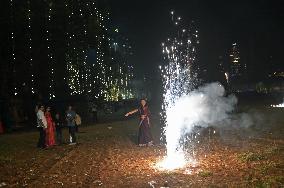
pixel 119 86
pixel 13 55
pixel 50 56
pixel 87 32
pixel 29 30
pixel 96 79
pixel 73 78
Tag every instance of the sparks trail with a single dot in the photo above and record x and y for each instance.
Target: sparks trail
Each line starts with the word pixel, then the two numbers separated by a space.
pixel 179 76
pixel 179 53
pixel 184 106
pixel 180 71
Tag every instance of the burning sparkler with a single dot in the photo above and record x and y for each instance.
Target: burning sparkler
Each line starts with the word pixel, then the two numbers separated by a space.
pixel 179 79
pixel 184 107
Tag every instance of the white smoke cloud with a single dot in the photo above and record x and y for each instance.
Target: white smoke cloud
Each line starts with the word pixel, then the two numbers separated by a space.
pixel 203 107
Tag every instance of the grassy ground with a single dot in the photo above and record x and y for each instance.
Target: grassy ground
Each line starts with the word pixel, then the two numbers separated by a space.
pixel 107 156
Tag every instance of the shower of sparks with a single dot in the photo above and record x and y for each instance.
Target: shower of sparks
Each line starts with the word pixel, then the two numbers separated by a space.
pixel 179 78
pixel 171 162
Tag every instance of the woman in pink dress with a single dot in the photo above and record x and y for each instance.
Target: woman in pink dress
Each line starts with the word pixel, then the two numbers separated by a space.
pixel 50 138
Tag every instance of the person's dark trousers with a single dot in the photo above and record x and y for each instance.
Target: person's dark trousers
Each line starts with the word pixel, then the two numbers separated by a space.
pixel 59 136
pixel 72 131
pixel 41 140
pixel 77 128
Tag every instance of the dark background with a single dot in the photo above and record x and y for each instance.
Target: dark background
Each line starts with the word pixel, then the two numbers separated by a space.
pixel 257 27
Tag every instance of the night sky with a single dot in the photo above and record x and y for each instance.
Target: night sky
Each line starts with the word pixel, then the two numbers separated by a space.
pixel 257 26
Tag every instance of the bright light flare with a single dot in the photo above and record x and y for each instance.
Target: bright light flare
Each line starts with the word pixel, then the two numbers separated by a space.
pixel 176 161
pixel 172 162
pixel 179 79
pixel 278 105
pixel 184 106
pixel 227 76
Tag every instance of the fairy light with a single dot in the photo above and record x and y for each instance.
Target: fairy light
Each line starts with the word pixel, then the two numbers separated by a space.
pixel 83 76
pixel 79 72
pixel 278 105
pixel 50 56
pixel 13 55
pixel 29 29
pixel 121 87
pixel 73 78
pixel 102 77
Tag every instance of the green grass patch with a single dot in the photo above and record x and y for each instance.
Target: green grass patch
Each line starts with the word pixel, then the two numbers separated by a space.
pixel 205 173
pixel 273 150
pixel 276 180
pixel 272 181
pixel 250 156
pixel 264 168
pixel 4 159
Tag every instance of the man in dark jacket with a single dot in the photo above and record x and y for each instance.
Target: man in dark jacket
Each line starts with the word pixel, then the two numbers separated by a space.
pixel 70 118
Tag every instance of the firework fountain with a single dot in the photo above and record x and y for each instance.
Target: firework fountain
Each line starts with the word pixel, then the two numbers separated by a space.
pixel 184 106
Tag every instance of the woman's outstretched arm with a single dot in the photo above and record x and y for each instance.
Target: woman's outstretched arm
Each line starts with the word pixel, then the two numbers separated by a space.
pixel 131 112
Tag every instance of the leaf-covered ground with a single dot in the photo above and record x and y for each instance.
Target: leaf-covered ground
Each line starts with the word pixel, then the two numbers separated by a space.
pixel 107 156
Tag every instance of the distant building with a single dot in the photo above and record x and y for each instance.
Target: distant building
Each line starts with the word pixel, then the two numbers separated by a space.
pixel 237 74
pixel 235 63
pixel 223 70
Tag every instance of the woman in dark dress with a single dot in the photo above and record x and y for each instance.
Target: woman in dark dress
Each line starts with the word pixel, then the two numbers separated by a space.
pixel 58 127
pixel 144 136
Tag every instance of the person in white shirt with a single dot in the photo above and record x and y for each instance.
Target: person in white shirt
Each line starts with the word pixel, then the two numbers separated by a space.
pixel 41 125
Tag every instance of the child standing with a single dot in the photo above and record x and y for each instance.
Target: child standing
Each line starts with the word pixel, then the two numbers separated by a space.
pixel 58 126
pixel 78 122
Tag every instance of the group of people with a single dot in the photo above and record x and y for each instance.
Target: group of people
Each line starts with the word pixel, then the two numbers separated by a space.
pixel 49 125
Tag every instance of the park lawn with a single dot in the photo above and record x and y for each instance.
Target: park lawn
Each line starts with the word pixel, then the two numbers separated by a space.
pixel 107 156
